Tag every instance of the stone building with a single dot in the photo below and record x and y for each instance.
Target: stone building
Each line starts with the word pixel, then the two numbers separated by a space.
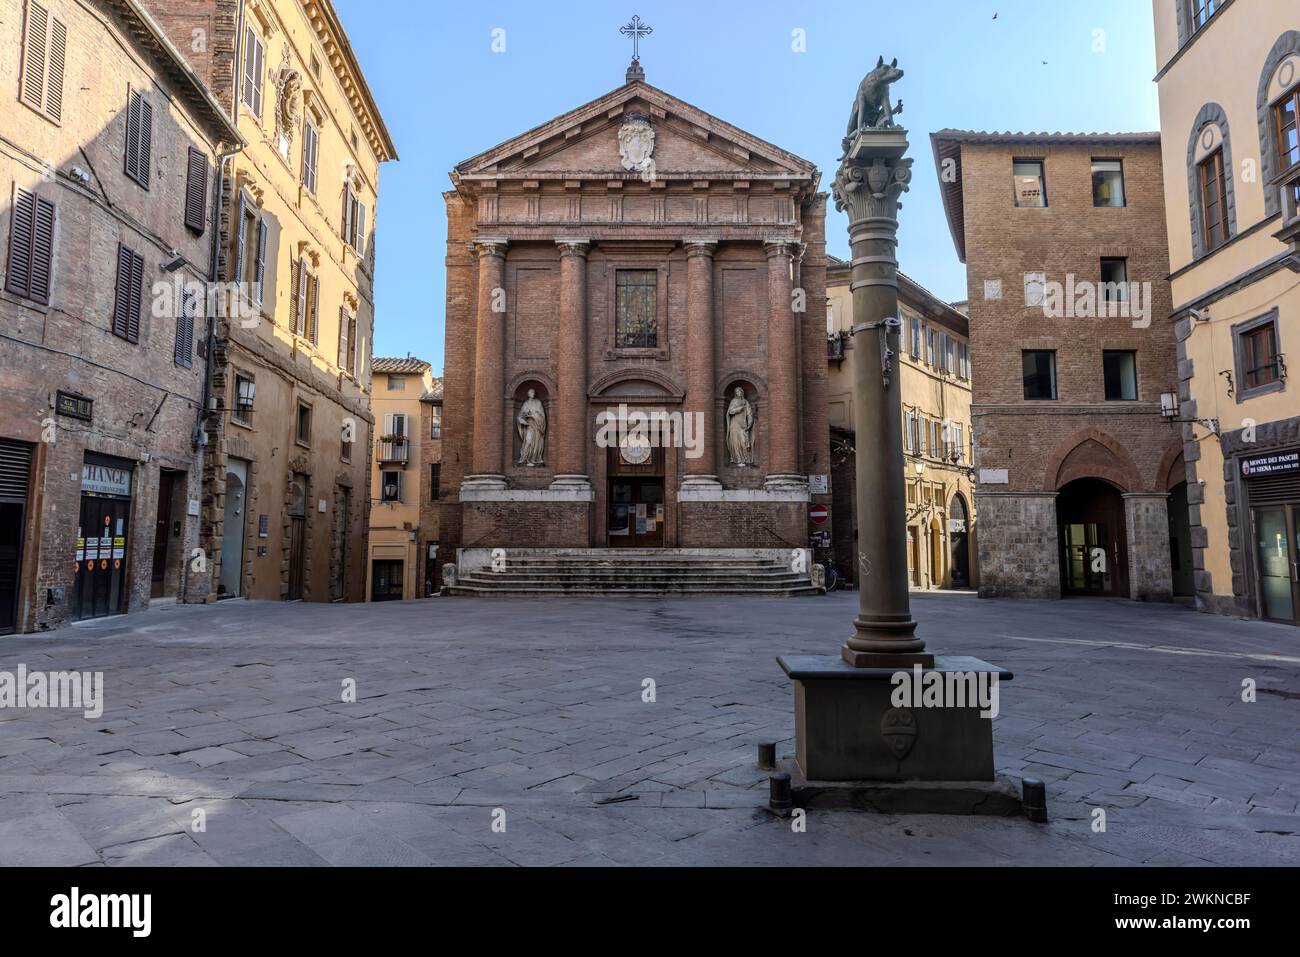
pixel 633 256
pixel 402 391
pixel 934 378
pixel 1079 475
pixel 1232 198
pixel 289 434
pixel 108 144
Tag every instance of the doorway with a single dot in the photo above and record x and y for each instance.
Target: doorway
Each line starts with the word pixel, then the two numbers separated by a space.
pixel 636 512
pixel 162 534
pixel 1094 544
pixel 957 535
pixel 386 578
pixel 297 534
pixel 15 477
pixel 232 540
pixel 1180 542
pixel 101 574
pixel 1277 552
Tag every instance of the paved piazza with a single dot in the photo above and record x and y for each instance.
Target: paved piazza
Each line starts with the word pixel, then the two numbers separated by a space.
pixel 465 706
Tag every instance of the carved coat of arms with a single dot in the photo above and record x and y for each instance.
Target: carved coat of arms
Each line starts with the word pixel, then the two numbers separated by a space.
pixel 636 144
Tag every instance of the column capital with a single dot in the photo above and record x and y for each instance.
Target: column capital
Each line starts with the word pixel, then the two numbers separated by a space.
pixel 779 247
pixel 574 247
pixel 700 246
pixel 488 246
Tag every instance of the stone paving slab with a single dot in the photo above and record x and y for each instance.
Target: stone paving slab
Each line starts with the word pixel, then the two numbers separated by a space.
pixel 530 714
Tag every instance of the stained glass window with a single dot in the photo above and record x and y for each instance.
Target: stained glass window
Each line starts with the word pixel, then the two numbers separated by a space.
pixel 636 323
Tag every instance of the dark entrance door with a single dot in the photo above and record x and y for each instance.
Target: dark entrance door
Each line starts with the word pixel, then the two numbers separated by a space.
pixel 297 534
pixel 1180 542
pixel 101 572
pixel 957 535
pixel 636 512
pixel 386 580
pixel 15 477
pixel 1277 541
pixel 162 533
pixel 1094 547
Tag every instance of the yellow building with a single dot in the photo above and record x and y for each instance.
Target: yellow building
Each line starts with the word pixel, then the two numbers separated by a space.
pixel 1229 83
pixel 934 376
pixel 289 432
pixel 399 483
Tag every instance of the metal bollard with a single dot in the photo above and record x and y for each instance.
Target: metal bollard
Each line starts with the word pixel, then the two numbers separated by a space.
pixel 1034 799
pixel 766 755
pixel 780 796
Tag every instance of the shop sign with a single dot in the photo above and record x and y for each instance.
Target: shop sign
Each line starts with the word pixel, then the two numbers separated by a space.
pixel 1278 463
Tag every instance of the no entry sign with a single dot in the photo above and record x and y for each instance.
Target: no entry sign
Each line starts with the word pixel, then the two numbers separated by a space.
pixel 818 514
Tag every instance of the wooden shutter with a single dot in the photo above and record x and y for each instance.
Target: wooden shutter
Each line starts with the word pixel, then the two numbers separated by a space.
pixel 132 153
pixel 44 53
pixel 359 240
pixel 128 294
pixel 343 338
pixel 42 252
pixel 259 274
pixel 313 331
pixel 310 148
pixel 239 238
pixel 184 353
pixel 356 345
pixel 18 279
pixel 146 141
pixel 196 192
pixel 254 63
pixel 300 300
pixel 347 212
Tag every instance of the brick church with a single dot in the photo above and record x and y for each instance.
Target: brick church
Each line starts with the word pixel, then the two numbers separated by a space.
pixel 635 341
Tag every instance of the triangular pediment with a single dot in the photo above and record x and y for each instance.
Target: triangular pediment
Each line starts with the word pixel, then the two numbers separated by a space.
pixel 689 144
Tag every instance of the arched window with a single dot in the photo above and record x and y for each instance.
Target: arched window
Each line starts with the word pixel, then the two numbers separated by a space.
pixel 1210 181
pixel 1278 106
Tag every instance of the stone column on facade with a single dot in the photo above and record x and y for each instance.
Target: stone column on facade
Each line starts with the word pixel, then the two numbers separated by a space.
pixel 782 372
pixel 701 365
pixel 489 367
pixel 1150 568
pixel 870 179
pixel 571 405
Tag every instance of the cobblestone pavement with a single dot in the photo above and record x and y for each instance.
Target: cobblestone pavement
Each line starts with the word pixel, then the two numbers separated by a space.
pixel 465 706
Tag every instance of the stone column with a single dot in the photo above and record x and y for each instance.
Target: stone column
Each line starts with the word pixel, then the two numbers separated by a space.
pixel 571 408
pixel 489 367
pixel 868 183
pixel 701 364
pixel 782 372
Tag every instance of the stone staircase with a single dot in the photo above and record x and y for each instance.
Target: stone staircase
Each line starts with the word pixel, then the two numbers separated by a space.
pixel 634 573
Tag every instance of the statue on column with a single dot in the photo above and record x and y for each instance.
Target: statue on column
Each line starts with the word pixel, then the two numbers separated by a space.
pixel 871 106
pixel 740 429
pixel 531 423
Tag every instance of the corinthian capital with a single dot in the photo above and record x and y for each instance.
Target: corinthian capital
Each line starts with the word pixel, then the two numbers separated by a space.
pixel 869 186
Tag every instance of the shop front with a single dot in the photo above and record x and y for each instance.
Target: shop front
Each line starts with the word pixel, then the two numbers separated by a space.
pixel 1270 485
pixel 103 537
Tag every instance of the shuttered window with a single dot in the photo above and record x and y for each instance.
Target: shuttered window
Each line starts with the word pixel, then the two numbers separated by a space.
pixel 343 338
pixel 310 151
pixel 313 325
pixel 259 267
pixel 355 347
pixel 45 51
pixel 139 138
pixel 300 300
pixel 359 229
pixel 31 247
pixel 196 191
pixel 127 298
pixel 349 207
pixel 186 313
pixel 254 67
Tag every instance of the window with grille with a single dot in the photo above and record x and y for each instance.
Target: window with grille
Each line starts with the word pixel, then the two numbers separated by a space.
pixel 636 299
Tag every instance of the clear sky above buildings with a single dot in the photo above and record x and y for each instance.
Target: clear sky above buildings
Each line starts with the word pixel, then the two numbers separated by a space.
pixel 447 95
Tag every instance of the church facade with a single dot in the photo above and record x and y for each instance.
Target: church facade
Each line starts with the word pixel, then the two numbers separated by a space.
pixel 635 354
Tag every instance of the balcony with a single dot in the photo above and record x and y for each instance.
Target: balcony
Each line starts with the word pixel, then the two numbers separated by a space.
pixel 394 451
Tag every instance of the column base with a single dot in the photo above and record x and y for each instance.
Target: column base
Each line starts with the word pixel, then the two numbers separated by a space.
pixel 997 798
pixel 702 483
pixel 786 480
pixel 886 659
pixel 486 482
pixel 571 483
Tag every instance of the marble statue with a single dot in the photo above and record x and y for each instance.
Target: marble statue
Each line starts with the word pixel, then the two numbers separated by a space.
pixel 740 429
pixel 531 423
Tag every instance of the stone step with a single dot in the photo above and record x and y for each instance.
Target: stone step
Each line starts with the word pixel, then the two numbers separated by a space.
pixel 540 591
pixel 629 581
pixel 638 569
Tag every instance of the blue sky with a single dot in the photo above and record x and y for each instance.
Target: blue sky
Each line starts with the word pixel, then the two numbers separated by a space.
pixel 446 96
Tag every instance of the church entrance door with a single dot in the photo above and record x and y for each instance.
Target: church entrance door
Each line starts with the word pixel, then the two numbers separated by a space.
pixel 637 509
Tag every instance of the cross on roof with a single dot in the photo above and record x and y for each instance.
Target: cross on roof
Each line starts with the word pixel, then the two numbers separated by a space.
pixel 636 30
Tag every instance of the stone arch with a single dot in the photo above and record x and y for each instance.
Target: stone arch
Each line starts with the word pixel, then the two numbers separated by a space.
pixel 1210 117
pixel 532 375
pixel 1287 45
pixel 1091 453
pixel 1172 468
pixel 602 384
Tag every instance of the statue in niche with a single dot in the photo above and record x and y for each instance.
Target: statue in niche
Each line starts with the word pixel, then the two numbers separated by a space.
pixel 740 429
pixel 531 423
